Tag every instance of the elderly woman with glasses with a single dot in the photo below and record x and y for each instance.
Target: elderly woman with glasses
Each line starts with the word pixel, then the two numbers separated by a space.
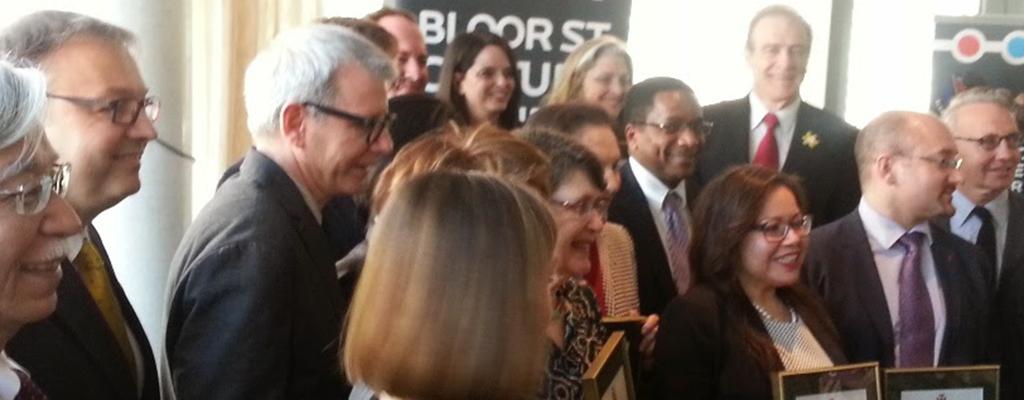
pixel 748 315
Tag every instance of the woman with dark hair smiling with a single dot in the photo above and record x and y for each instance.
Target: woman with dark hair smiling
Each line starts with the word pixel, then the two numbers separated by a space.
pixel 748 315
pixel 479 81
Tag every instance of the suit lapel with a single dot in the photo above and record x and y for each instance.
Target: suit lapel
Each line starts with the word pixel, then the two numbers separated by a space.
pixel 857 250
pixel 735 146
pixel 945 271
pixel 1013 253
pixel 80 319
pixel 799 158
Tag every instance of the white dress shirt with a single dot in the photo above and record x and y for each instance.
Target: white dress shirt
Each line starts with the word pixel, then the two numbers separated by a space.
pixel 9 382
pixel 883 233
pixel 966 225
pixel 783 132
pixel 655 192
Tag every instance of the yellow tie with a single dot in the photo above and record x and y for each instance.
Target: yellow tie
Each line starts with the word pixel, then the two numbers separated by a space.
pixel 90 265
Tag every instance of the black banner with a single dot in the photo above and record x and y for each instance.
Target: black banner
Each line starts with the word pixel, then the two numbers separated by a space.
pixel 978 51
pixel 540 32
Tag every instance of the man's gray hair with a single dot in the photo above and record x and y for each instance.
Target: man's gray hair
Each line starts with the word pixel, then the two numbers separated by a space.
pixel 1000 97
pixel 299 66
pixel 22 108
pixel 779 10
pixel 35 36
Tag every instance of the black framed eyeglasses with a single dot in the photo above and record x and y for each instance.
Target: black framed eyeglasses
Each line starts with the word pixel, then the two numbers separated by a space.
pixel 698 126
pixel 31 198
pixel 991 142
pixel 124 111
pixel 776 231
pixel 582 208
pixel 374 127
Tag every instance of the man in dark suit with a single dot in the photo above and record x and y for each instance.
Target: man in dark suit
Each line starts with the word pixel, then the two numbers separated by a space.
pixel 664 132
pixel 99 119
pixel 774 128
pixel 255 311
pixel 38 228
pixel 988 215
pixel 903 291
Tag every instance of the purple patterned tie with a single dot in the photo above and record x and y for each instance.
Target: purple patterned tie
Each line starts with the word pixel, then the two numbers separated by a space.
pixel 916 326
pixel 678 240
pixel 29 390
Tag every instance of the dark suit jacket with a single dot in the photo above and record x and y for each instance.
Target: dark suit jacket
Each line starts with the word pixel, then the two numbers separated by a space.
pixel 828 170
pixel 654 274
pixel 255 313
pixel 73 354
pixel 700 356
pixel 841 268
pixel 1013 252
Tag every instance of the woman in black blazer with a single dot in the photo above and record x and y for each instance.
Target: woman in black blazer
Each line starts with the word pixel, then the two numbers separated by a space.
pixel 748 315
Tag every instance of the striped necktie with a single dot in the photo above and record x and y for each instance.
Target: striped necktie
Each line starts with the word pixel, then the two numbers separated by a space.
pixel 94 274
pixel 678 240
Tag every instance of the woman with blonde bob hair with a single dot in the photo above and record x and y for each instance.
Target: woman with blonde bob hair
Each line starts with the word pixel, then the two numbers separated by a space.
pixel 598 72
pixel 458 310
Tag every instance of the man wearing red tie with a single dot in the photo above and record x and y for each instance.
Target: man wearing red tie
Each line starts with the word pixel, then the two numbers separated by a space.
pixel 772 127
pixel 38 228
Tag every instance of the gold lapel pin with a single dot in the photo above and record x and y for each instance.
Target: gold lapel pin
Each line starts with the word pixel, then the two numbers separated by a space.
pixel 810 139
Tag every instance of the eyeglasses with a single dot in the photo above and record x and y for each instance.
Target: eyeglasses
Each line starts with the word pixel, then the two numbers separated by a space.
pixel 698 126
pixel 775 231
pixel 582 208
pixel 122 111
pixel 374 127
pixel 32 198
pixel 991 142
pixel 943 163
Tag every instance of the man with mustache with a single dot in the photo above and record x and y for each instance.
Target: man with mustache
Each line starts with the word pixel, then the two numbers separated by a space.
pixel 256 307
pixel 988 214
pixel 774 128
pixel 901 290
pixel 38 228
pixel 664 131
pixel 99 118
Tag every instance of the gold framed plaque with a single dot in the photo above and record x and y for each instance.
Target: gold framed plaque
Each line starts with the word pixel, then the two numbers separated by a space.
pixel 609 376
pixel 845 382
pixel 979 382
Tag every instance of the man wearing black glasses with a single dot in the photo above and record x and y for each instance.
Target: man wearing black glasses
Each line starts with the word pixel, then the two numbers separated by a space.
pixel 901 290
pixel 99 118
pixel 256 308
pixel 664 132
pixel 773 127
pixel 989 215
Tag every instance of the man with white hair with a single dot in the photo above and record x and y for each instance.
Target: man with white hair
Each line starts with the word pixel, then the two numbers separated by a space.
pixel 256 309
pixel 38 228
pixel 99 118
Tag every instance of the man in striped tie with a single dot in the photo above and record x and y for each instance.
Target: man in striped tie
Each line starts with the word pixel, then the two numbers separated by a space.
pixel 99 118
pixel 773 127
pixel 38 228
pixel 664 131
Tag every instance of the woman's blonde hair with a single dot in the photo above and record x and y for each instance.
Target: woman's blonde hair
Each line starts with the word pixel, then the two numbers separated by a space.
pixel 451 303
pixel 569 84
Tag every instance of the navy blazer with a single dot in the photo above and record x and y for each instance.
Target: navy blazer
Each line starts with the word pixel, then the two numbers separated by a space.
pixel 654 274
pixel 699 356
pixel 841 268
pixel 826 168
pixel 73 354
pixel 256 310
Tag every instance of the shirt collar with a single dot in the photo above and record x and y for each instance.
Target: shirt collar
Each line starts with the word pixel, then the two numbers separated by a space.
pixel 885 231
pixel 786 115
pixel 999 206
pixel 654 189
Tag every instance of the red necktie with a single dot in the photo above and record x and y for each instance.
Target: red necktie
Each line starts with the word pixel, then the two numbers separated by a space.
pixel 768 152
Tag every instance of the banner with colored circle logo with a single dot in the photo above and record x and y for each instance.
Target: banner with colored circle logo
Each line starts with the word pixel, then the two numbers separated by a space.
pixel 541 33
pixel 978 51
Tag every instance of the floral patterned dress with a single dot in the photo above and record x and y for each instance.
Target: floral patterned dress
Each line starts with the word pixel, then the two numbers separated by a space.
pixel 584 336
